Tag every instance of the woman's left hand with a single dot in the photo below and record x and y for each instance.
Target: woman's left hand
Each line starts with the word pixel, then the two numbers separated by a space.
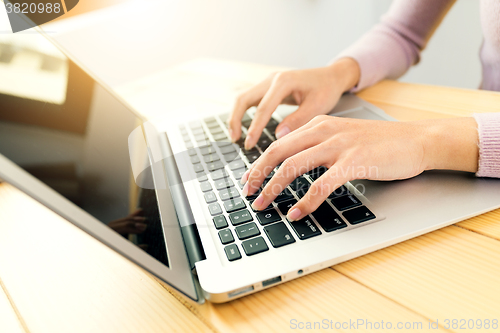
pixel 360 149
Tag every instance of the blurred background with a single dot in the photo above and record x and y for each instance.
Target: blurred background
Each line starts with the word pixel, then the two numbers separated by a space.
pixel 134 38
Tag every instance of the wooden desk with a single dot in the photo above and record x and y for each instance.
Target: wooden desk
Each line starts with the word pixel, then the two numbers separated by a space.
pixel 56 278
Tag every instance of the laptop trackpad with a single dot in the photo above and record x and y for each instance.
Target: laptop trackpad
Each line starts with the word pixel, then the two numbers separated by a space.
pixel 358 113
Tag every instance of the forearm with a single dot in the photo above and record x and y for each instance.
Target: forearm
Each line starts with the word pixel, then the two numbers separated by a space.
pixel 394 45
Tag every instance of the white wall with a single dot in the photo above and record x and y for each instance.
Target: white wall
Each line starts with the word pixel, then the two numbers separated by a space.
pixel 149 35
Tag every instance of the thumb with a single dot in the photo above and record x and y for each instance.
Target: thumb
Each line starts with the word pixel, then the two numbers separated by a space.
pixel 306 111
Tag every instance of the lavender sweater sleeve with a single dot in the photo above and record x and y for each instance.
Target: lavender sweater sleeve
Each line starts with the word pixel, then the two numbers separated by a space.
pixel 394 45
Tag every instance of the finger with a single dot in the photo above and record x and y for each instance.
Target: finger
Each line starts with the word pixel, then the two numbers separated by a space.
pixel 277 152
pixel 319 192
pixel 291 168
pixel 280 88
pixel 295 138
pixel 310 108
pixel 137 212
pixel 250 98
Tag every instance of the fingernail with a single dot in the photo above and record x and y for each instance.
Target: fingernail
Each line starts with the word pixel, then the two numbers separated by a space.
pixel 258 202
pixel 244 191
pixel 244 178
pixel 247 142
pixel 293 214
pixel 140 225
pixel 284 130
pixel 139 218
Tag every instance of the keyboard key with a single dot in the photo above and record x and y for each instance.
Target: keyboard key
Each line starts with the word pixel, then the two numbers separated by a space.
pixel 270 175
pixel 189 145
pixel 218 174
pixel 239 173
pixel 254 246
pixel 216 129
pixel 229 193
pixel 207 150
pixel 247 230
pixel 305 228
pixel 210 197
pixel 286 205
pixel 254 196
pixel 195 159
pixel 246 117
pixel 246 123
pixel 223 183
pixel 201 137
pixel 250 151
pixel 298 183
pixel 241 142
pixel 264 142
pixel 358 215
pixel 215 166
pixel 346 202
pixel 284 195
pixel 209 120
pixel 220 137
pixel 226 236
pixel 268 216
pixel 232 252
pixel 268 207
pixel 234 205
pixel 198 168
pixel 342 190
pixel 205 186
pixel 328 218
pixel 214 209
pixel 203 143
pixel 231 156
pixel 220 221
pixel 192 152
pixel 223 143
pixel 213 124
pixel 198 131
pixel 253 157
pixel 301 192
pixel 227 149
pixel 210 158
pixel 240 217
pixel 272 124
pixel 279 234
pixel 236 164
pixel 201 177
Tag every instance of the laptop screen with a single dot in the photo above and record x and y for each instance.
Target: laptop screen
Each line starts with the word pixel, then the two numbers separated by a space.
pixel 62 127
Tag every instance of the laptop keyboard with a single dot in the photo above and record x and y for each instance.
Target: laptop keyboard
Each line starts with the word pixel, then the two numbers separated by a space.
pixel 219 165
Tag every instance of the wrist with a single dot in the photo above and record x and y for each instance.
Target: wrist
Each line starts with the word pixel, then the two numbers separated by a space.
pixel 450 144
pixel 346 73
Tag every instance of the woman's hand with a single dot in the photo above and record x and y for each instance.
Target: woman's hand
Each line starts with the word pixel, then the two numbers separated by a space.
pixel 316 91
pixel 360 149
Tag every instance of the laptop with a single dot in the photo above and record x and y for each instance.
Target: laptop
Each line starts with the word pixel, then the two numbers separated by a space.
pixel 165 193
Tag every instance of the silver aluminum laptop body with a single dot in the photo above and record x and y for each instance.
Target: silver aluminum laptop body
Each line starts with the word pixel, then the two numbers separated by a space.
pixel 194 261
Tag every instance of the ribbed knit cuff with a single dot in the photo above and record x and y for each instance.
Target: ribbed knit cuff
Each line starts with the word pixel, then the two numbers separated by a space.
pixel 488 125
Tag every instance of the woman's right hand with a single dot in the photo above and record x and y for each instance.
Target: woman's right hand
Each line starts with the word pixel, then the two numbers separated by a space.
pixel 316 91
